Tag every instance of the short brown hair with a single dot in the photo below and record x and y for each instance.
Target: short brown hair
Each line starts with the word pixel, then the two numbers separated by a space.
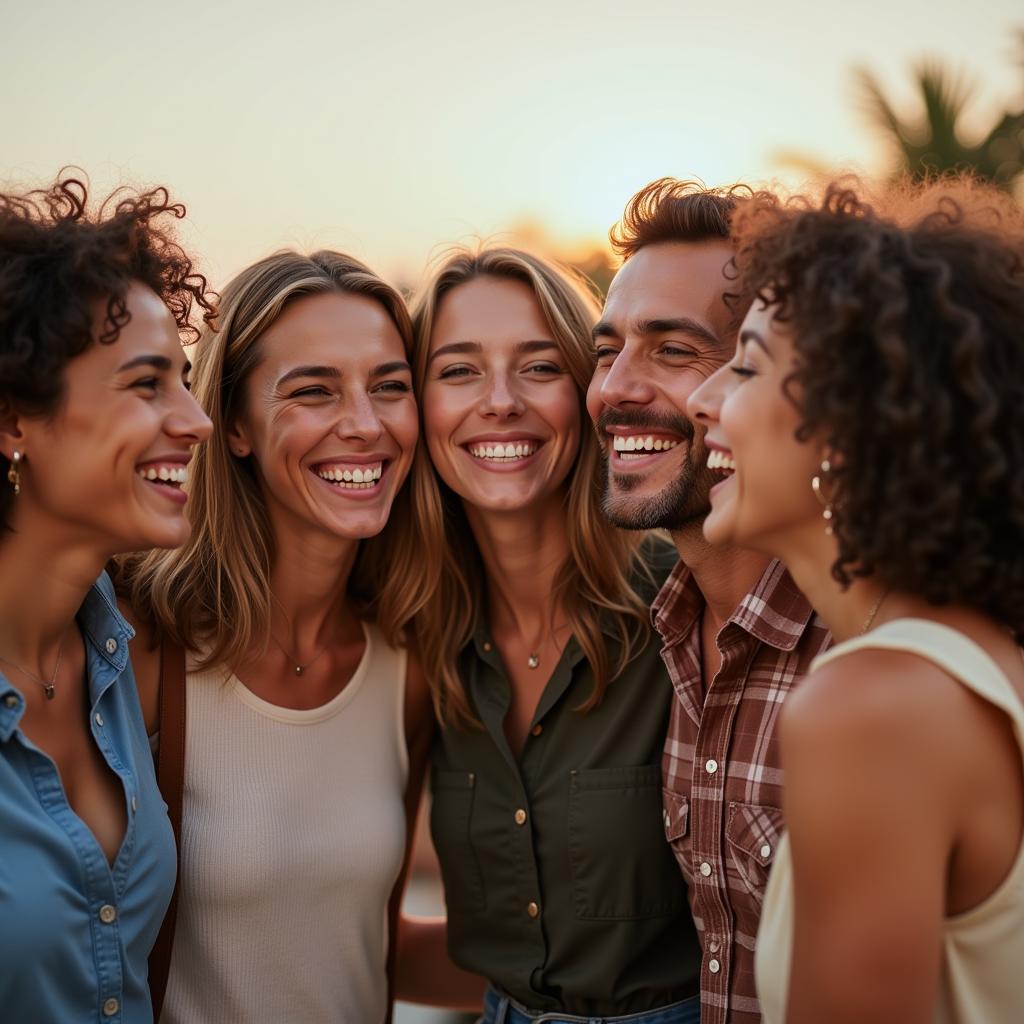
pixel 905 312
pixel 671 210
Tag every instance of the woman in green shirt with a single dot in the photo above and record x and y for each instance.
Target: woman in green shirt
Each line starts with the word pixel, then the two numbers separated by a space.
pixel 553 702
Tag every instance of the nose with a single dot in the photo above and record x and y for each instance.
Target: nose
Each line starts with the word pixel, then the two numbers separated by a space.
pixel 501 397
pixel 705 401
pixel 358 418
pixel 188 421
pixel 625 382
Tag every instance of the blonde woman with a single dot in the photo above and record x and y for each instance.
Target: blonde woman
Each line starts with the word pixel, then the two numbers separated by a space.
pixel 306 723
pixel 546 796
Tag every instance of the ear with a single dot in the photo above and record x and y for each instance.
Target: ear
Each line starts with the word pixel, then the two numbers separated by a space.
pixel 12 434
pixel 238 440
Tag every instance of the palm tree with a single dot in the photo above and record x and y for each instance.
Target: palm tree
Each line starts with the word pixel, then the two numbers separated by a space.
pixel 932 143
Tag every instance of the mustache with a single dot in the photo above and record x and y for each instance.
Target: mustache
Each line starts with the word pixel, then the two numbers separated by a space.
pixel 646 419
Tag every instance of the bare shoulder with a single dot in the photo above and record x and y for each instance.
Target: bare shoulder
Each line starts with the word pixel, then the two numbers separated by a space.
pixel 876 698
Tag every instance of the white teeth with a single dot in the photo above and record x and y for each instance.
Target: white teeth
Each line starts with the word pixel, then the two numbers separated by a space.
pixel 633 443
pixel 503 452
pixel 165 474
pixel 720 460
pixel 353 479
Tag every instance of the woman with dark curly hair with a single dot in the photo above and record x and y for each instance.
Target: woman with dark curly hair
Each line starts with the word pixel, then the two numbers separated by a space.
pixel 96 431
pixel 870 431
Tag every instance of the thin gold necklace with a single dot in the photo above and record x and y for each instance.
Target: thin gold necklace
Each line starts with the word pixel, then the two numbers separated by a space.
pixel 47 686
pixel 300 668
pixel 873 612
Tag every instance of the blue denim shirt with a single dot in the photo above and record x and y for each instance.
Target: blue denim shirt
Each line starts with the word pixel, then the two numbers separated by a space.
pixel 75 934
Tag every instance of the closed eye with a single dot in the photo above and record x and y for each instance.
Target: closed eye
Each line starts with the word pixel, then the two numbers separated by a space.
pixel 315 391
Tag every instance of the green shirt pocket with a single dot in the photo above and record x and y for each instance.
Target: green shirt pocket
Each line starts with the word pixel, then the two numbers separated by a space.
pixel 622 867
pixel 451 811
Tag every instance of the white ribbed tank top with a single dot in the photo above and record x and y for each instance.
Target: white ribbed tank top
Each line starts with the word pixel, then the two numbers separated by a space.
pixel 293 833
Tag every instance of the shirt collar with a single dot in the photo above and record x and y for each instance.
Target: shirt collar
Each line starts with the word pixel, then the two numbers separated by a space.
pixel 106 635
pixel 775 611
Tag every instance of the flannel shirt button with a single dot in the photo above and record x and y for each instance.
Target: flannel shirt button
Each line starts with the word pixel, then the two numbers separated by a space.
pixel 705 869
pixel 714 966
pixel 766 850
pixel 711 766
pixel 667 818
pixel 714 946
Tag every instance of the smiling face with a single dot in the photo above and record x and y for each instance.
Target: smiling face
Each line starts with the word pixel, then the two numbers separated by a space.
pixel 664 331
pixel 501 412
pixel 109 465
pixel 329 416
pixel 763 495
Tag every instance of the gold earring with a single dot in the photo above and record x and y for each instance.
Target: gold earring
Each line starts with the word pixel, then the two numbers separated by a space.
pixel 14 473
pixel 828 510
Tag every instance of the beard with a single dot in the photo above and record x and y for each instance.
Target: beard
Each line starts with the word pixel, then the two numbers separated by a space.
pixel 682 502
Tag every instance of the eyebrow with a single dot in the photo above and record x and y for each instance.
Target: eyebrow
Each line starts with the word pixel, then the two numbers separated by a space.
pixel 396 366
pixel 662 325
pixel 308 371
pixel 749 335
pixel 520 348
pixel 157 362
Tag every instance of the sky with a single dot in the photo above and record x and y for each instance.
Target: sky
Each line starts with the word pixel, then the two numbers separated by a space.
pixel 390 130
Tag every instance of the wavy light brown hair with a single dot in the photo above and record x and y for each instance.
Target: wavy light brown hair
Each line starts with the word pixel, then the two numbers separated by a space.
pixel 906 314
pixel 213 595
pixel 594 583
pixel 58 256
pixel 676 210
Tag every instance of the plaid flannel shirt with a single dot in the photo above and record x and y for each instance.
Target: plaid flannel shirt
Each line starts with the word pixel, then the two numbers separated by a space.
pixel 721 772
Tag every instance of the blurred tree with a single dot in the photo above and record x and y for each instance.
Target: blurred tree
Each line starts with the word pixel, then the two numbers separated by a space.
pixel 933 142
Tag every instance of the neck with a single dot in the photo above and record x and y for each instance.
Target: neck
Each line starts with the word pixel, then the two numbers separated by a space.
pixel 846 611
pixel 724 575
pixel 44 577
pixel 522 552
pixel 309 582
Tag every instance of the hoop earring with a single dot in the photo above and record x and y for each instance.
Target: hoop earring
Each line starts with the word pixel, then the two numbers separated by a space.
pixel 828 509
pixel 14 472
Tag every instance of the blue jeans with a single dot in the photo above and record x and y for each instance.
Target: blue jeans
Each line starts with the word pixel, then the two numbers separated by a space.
pixel 502 1009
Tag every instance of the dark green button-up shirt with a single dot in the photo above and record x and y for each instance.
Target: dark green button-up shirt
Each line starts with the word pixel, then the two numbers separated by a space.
pixel 560 886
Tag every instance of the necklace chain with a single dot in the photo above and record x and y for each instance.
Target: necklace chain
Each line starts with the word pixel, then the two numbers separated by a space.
pixel 299 667
pixel 873 612
pixel 48 687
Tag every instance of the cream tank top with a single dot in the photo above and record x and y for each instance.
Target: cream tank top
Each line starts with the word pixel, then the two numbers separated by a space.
pixel 982 949
pixel 293 835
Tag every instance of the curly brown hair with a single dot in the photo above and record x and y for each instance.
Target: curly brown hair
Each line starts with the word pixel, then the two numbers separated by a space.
pixel 907 317
pixel 56 260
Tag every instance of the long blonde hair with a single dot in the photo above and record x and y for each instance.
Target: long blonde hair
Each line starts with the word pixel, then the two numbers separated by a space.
pixel 213 595
pixel 594 583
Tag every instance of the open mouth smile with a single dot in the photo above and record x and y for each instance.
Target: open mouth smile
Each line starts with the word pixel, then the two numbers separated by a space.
pixel 350 476
pixel 513 452
pixel 166 478
pixel 634 447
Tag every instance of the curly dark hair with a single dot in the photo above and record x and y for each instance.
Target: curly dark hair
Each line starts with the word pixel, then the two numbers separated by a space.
pixel 56 260
pixel 907 317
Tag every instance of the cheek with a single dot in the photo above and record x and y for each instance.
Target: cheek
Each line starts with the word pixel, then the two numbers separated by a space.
pixel 440 415
pixel 594 403
pixel 403 425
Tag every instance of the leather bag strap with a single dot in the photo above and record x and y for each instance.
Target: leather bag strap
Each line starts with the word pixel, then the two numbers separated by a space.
pixel 170 775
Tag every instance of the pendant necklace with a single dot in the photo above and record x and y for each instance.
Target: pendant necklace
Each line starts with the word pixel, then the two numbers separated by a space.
pixel 47 686
pixel 300 668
